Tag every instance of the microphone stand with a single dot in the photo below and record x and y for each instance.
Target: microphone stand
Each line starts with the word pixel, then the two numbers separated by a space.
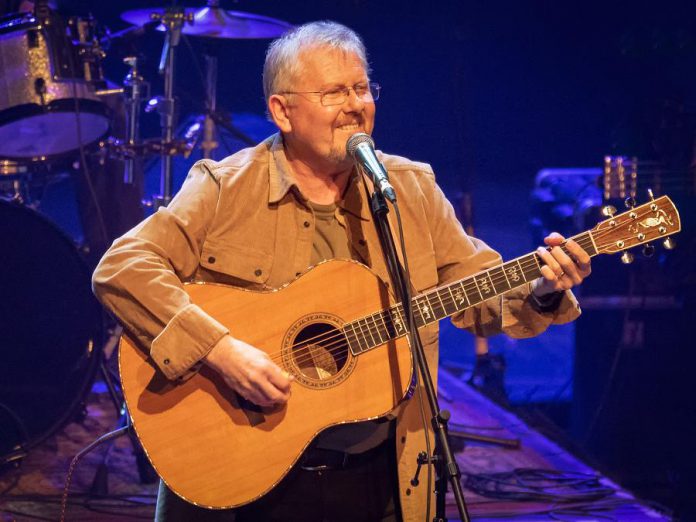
pixel 442 458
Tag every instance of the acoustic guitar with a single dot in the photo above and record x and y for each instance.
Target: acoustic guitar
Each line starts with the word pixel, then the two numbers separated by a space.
pixel 338 331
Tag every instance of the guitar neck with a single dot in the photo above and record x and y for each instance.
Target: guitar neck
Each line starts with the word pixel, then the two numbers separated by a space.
pixel 373 330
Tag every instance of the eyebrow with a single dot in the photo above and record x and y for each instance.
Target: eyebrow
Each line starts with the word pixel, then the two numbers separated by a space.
pixel 335 85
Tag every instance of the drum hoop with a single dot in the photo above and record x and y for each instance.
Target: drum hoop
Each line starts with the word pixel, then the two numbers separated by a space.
pixel 25 110
pixel 26 21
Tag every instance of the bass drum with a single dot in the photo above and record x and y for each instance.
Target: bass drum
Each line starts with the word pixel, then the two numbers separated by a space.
pixel 51 330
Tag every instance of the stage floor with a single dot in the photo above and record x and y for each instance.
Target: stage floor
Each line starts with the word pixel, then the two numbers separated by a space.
pixel 33 490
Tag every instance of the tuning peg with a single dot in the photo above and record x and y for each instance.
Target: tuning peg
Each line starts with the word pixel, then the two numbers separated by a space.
pixel 627 258
pixel 630 202
pixel 669 243
pixel 608 211
pixel 650 194
pixel 648 250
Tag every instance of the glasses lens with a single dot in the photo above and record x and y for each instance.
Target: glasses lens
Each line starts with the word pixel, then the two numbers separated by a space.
pixel 375 88
pixel 367 93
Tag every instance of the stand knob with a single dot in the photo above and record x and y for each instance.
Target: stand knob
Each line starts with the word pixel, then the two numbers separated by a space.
pixel 627 258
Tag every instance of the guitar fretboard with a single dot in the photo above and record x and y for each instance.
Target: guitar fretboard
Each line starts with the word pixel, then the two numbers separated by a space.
pixel 376 329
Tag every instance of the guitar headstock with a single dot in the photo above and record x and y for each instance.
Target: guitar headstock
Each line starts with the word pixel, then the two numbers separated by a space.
pixel 656 219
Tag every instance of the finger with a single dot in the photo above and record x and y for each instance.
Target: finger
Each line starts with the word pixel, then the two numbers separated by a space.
pixel 280 379
pixel 550 261
pixel 582 258
pixel 272 395
pixel 549 274
pixel 568 267
pixel 553 239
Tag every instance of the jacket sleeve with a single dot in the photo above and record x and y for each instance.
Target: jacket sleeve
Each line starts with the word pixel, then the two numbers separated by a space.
pixel 139 279
pixel 459 255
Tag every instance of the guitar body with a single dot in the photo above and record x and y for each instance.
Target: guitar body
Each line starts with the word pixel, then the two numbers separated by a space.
pixel 216 450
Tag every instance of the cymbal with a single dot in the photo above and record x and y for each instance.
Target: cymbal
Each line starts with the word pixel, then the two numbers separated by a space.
pixel 214 22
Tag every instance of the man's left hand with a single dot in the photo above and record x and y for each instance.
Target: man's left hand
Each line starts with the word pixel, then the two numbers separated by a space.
pixel 561 271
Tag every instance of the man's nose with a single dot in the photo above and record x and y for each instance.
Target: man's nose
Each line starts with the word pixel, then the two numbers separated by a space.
pixel 355 102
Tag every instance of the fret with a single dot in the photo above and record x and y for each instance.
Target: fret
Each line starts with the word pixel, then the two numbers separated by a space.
pixel 460 296
pixel 357 339
pixel 399 323
pixel 587 242
pixel 499 280
pixel 369 331
pixel 454 301
pixel 424 308
pixel 374 329
pixel 485 285
pixel 384 326
pixel 364 338
pixel 519 264
pixel 391 328
pixel 513 273
pixel 444 312
pixel 374 322
pixel 477 289
pixel 416 306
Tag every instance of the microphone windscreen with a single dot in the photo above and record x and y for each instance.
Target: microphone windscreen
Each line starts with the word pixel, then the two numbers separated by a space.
pixel 355 140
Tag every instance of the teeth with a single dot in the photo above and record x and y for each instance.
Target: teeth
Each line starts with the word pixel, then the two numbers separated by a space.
pixel 353 126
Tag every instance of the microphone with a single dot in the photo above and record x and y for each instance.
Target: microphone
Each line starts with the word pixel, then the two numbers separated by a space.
pixel 362 149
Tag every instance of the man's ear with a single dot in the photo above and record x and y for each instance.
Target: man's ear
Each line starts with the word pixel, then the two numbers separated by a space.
pixel 278 109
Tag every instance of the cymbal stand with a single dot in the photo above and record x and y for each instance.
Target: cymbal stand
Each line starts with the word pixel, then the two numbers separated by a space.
pixel 212 118
pixel 135 88
pixel 209 128
pixel 173 20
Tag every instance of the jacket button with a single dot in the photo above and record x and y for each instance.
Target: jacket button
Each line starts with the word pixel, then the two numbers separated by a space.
pixel 306 224
pixel 211 259
pixel 166 361
pixel 297 274
pixel 258 272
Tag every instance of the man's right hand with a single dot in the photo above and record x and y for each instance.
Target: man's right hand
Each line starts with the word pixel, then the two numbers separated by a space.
pixel 250 372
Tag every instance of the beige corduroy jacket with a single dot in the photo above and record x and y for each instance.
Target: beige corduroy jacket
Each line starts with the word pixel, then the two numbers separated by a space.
pixel 242 221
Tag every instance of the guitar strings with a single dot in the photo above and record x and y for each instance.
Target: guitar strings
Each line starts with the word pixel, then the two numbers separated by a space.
pixel 337 341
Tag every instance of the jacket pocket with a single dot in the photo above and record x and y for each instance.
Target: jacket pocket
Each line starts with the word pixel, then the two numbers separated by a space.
pixel 236 264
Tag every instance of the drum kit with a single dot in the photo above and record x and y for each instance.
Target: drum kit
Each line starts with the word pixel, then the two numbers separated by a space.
pixel 53 113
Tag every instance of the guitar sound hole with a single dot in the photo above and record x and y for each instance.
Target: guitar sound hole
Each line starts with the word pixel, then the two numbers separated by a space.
pixel 320 351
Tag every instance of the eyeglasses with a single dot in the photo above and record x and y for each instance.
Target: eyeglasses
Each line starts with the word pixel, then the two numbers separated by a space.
pixel 367 92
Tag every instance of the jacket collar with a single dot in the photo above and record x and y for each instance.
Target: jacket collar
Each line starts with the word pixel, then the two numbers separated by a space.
pixel 281 181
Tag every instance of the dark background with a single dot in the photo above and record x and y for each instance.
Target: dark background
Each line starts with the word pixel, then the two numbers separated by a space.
pixel 489 94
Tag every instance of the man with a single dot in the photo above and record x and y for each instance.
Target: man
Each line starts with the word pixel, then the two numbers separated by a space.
pixel 260 218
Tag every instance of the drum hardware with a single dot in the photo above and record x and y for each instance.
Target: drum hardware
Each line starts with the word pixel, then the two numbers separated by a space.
pixel 135 89
pixel 114 148
pixel 15 174
pixel 89 51
pixel 209 21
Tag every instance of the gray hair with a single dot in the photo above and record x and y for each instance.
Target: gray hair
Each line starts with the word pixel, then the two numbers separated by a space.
pixel 282 63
